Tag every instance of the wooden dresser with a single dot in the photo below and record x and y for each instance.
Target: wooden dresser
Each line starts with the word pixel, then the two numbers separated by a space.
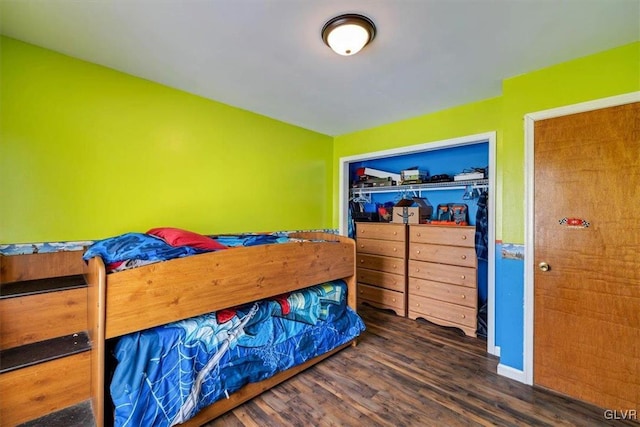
pixel 442 284
pixel 381 258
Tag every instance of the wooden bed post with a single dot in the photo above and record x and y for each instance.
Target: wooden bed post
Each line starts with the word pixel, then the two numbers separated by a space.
pixel 96 280
pixel 351 283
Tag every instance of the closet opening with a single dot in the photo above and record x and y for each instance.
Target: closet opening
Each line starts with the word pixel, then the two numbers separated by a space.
pixel 444 159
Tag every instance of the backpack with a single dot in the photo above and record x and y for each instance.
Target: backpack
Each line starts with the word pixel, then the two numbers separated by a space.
pixel 452 214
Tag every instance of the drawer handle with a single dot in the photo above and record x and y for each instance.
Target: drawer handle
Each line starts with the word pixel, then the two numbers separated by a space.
pixel 463 277
pixel 395 249
pixel 361 261
pixel 463 257
pixel 464 237
pixel 417 287
pixel 393 299
pixel 417 270
pixel 394 266
pixel 395 233
pixel 418 251
pixel 418 234
pixel 362 246
pixel 417 304
pixel 463 316
pixel 463 296
pixel 362 292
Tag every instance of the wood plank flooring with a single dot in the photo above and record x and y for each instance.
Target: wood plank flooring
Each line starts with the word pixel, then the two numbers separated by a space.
pixel 410 373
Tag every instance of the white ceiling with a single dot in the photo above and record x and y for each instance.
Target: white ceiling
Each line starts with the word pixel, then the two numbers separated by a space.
pixel 267 56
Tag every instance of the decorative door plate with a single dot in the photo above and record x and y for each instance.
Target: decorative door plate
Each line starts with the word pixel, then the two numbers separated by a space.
pixel 574 222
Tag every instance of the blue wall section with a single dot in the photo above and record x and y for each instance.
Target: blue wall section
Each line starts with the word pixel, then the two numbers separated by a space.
pixel 509 320
pixel 449 161
pixel 440 161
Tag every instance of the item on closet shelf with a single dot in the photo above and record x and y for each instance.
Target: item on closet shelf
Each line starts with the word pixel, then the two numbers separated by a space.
pixel 471 173
pixel 373 182
pixel 441 178
pixel 452 214
pixel 460 213
pixel 466 176
pixel 384 213
pixel 414 176
pixel 381 174
pixel 416 210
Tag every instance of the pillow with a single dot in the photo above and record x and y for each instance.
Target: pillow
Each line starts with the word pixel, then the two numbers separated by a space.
pixel 179 237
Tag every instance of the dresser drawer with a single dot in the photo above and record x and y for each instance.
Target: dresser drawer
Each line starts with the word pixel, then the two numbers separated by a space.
pixel 382 231
pixel 382 279
pixel 454 255
pixel 449 314
pixel 380 263
pixel 457 275
pixel 444 292
pixel 382 298
pixel 381 247
pixel 443 235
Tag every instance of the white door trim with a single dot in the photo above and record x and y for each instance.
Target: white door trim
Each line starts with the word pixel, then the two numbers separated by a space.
pixel 343 195
pixel 529 122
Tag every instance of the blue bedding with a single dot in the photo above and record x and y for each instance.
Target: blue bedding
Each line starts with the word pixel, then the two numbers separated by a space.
pixel 131 250
pixel 166 374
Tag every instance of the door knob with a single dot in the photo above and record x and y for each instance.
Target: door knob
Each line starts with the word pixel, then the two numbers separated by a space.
pixel 544 266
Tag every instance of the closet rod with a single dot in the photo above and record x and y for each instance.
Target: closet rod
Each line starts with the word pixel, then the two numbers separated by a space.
pixel 422 187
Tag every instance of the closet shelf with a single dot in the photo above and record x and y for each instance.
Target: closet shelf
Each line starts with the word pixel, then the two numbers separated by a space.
pixel 430 186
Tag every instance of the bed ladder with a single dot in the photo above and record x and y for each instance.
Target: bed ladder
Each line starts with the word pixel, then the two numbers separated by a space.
pixel 45 357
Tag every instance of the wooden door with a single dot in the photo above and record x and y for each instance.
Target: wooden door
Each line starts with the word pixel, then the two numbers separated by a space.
pixel 587 229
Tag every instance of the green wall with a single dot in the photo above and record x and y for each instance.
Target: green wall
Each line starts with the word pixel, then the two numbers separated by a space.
pixel 608 73
pixel 87 152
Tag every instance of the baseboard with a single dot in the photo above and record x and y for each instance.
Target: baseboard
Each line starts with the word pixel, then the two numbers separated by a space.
pixel 514 374
pixel 494 351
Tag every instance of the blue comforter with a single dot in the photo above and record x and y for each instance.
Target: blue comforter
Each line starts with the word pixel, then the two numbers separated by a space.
pixel 166 374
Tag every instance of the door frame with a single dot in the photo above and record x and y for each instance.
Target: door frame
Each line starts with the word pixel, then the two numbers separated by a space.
pixel 490 138
pixel 529 240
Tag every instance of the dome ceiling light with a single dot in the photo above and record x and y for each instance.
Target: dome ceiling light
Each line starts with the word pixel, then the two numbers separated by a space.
pixel 348 34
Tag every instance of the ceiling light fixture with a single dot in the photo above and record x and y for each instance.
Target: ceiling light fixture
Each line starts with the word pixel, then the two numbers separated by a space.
pixel 348 34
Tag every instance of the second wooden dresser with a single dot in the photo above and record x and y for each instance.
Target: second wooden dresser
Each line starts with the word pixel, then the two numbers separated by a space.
pixel 381 258
pixel 443 276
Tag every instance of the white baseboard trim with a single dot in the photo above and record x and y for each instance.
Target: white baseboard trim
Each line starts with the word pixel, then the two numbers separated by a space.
pixel 514 374
pixel 494 351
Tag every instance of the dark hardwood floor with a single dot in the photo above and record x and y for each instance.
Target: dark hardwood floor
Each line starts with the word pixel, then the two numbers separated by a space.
pixel 410 373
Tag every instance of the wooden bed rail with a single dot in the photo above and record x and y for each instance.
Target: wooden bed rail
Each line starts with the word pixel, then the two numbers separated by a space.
pixel 95 277
pixel 160 293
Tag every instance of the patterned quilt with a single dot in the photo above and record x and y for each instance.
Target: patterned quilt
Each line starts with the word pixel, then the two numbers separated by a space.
pixel 166 374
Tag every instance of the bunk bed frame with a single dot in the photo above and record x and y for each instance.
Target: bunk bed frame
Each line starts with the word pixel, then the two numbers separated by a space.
pixel 156 294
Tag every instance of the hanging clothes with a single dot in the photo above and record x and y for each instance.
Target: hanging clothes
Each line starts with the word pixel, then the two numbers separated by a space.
pixel 482 228
pixel 482 252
